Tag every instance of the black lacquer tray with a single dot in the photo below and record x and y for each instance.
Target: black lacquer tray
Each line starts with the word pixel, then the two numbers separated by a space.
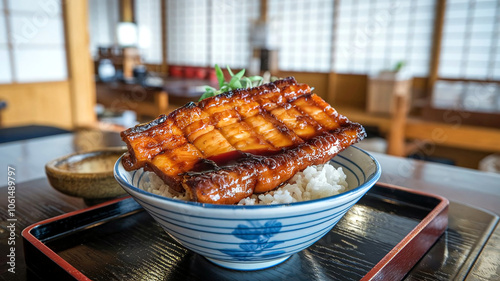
pixel 382 237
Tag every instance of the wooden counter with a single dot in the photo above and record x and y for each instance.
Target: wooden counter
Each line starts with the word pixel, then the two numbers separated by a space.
pixel 452 134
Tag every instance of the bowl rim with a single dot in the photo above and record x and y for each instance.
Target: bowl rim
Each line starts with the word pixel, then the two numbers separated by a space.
pixel 370 181
pixel 52 165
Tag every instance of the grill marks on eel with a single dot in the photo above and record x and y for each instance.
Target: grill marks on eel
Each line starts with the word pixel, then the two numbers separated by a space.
pixel 229 146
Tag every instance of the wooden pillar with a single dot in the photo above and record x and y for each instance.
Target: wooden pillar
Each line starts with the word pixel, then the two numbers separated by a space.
pixel 436 46
pixel 396 140
pixel 263 11
pixel 331 88
pixel 127 11
pixel 80 64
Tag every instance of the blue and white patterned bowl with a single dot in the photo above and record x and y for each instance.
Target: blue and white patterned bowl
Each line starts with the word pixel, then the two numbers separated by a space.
pixel 254 237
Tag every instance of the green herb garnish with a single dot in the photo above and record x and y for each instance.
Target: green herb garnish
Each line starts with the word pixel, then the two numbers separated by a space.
pixel 238 81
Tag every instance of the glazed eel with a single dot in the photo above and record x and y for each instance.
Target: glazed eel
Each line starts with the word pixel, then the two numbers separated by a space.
pixel 230 146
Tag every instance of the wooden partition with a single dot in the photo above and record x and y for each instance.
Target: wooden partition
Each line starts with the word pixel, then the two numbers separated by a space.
pixel 69 103
pixel 37 103
pixel 80 63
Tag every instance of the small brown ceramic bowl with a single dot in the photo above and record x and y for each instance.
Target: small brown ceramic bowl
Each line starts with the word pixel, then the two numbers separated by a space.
pixel 88 175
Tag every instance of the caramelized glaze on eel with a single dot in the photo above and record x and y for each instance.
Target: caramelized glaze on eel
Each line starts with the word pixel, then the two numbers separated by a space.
pixel 230 146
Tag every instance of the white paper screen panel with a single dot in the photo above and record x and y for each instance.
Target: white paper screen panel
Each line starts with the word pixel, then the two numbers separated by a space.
pixel 103 20
pixel 203 33
pixel 41 64
pixel 303 33
pixel 26 33
pixel 231 23
pixel 35 42
pixel 374 35
pixel 187 34
pixel 36 8
pixel 471 40
pixel 3 28
pixel 148 19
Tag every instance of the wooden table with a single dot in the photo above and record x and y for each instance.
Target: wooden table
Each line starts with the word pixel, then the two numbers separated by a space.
pixel 469 249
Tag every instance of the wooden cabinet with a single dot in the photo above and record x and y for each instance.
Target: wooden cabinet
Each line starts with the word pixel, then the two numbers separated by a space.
pixel 118 96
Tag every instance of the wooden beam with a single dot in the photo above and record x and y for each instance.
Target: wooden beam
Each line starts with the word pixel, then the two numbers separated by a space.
pixel 80 64
pixel 470 80
pixel 436 133
pixel 459 136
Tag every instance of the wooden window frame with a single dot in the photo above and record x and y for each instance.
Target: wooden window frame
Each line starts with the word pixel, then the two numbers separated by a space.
pixel 458 116
pixel 10 45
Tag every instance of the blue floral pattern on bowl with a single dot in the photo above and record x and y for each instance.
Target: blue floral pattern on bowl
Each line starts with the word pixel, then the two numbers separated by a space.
pixel 257 238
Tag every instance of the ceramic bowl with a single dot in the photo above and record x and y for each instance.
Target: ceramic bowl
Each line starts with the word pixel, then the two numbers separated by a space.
pixel 254 237
pixel 88 175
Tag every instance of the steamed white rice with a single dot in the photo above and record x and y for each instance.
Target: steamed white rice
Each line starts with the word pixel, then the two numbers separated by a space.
pixel 313 183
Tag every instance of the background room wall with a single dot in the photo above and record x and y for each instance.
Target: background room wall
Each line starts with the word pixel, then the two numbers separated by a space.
pixel 46 70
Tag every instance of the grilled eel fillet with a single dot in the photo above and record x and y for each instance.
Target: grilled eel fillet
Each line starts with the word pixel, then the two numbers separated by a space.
pixel 230 146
